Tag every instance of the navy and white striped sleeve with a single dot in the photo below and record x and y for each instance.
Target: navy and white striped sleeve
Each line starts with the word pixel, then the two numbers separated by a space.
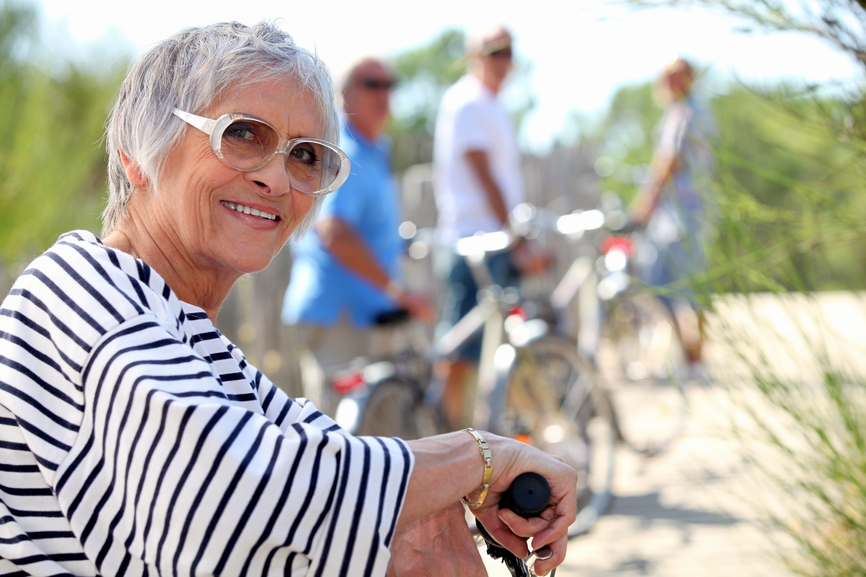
pixel 168 475
pixel 135 442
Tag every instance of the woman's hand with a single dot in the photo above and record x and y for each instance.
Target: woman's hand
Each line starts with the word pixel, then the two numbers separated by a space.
pixel 438 545
pixel 550 528
pixel 449 466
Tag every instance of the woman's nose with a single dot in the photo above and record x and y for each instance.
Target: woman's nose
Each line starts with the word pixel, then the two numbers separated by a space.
pixel 273 176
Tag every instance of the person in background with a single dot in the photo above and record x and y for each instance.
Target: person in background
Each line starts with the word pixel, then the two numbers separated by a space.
pixel 677 208
pixel 137 439
pixel 347 271
pixel 477 183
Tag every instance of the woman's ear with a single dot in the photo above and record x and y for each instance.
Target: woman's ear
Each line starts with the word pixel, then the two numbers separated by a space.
pixel 133 171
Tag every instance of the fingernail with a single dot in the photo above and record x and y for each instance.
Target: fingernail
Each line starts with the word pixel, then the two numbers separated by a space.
pixel 544 553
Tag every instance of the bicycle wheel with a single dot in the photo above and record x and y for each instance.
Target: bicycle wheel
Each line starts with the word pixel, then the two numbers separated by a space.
pixel 395 408
pixel 555 402
pixel 647 380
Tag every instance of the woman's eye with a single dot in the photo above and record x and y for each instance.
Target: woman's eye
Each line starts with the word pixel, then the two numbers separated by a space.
pixel 304 153
pixel 242 131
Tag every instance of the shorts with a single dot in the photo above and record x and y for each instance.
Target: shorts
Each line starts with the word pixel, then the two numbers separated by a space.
pixel 674 267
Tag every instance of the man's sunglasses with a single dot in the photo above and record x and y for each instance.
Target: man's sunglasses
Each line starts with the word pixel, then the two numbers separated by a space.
pixel 377 84
pixel 502 53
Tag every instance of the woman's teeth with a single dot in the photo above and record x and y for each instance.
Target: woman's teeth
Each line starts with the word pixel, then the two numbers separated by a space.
pixel 248 210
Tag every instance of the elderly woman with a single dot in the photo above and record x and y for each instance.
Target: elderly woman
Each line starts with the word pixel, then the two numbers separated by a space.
pixel 134 437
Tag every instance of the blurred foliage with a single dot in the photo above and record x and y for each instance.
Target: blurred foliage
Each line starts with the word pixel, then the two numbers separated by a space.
pixel 424 74
pixel 793 195
pixel 798 385
pixel 790 185
pixel 792 162
pixel 839 23
pixel 802 424
pixel 52 163
pixel 791 159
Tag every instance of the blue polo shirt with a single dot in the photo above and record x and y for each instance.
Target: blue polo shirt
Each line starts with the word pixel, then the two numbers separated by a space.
pixel 320 289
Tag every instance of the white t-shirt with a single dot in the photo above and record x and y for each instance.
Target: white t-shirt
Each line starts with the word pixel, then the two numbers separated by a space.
pixel 471 118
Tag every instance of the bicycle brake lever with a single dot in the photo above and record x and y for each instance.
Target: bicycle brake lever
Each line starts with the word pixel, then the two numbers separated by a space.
pixel 518 567
pixel 540 554
pixel 515 564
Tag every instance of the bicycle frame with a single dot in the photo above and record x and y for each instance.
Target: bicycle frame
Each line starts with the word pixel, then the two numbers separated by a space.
pixel 514 394
pixel 581 284
pixel 608 302
pixel 498 354
pixel 487 318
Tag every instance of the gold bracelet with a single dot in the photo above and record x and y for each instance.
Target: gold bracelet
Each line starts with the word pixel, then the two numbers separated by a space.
pixel 488 469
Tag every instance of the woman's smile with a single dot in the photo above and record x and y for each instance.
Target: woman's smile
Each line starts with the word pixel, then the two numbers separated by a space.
pixel 247 210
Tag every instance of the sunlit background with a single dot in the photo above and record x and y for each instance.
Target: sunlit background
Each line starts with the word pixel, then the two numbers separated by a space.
pixel 579 52
pixel 785 277
pixel 581 95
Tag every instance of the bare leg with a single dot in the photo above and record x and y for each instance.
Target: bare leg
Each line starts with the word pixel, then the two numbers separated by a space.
pixel 689 325
pixel 693 339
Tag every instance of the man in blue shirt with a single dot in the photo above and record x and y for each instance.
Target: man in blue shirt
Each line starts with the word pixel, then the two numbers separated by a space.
pixel 346 271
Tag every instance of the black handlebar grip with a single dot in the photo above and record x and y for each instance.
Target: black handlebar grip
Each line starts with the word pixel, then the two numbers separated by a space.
pixel 527 496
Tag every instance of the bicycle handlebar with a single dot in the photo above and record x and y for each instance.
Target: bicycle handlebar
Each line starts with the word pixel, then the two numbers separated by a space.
pixel 522 219
pixel 527 496
pixel 486 243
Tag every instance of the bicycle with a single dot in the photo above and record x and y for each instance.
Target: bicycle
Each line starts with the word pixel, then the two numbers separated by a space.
pixel 532 384
pixel 621 326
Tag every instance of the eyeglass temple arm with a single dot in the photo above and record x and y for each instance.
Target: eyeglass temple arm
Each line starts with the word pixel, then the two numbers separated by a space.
pixel 200 122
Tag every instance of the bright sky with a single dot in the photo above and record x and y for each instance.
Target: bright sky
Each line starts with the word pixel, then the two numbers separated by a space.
pixel 581 51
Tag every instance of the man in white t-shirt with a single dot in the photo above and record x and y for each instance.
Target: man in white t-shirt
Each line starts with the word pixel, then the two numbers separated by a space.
pixel 477 165
pixel 478 183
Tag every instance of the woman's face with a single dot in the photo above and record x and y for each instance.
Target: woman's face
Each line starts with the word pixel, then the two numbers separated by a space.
pixel 199 205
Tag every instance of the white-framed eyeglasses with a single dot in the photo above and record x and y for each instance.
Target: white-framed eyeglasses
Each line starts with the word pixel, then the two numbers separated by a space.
pixel 247 143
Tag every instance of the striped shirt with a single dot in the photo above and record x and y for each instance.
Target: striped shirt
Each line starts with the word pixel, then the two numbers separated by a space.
pixel 136 440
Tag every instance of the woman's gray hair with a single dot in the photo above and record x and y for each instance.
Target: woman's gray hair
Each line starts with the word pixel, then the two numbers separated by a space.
pixel 189 71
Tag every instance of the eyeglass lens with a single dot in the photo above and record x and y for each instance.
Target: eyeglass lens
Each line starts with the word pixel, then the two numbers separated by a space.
pixel 247 144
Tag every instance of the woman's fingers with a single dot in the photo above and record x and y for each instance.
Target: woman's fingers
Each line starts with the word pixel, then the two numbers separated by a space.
pixel 551 543
pixel 526 528
pixel 542 530
pixel 550 528
pixel 503 535
pixel 557 549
